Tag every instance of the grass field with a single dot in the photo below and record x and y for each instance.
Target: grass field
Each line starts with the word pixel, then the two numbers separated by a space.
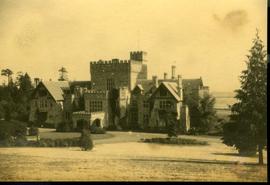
pixel 122 157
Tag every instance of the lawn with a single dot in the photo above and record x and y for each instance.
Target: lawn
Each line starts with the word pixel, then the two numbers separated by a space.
pixel 46 133
pixel 122 157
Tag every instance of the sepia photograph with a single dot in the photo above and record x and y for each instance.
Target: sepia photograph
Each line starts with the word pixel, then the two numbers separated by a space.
pixel 133 90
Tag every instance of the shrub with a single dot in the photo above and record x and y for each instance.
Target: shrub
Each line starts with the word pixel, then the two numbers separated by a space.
pixel 12 133
pixel 175 140
pixel 98 130
pixel 64 127
pixel 86 142
pixel 57 142
pixel 20 141
pixel 193 131
pixel 33 131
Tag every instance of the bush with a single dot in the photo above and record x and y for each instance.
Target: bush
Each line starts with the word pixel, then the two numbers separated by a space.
pixel 58 142
pixel 86 142
pixel 20 141
pixel 33 131
pixel 98 130
pixel 193 131
pixel 175 140
pixel 12 133
pixel 64 127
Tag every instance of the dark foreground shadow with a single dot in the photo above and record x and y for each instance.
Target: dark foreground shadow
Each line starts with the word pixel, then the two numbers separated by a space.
pixel 234 154
pixel 197 161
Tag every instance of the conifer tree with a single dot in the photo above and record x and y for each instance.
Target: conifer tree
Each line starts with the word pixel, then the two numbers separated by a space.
pixel 247 129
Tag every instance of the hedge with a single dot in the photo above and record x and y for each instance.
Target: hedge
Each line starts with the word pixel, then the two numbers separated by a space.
pixel 175 140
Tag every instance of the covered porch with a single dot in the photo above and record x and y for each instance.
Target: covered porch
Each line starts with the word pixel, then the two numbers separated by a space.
pixel 95 119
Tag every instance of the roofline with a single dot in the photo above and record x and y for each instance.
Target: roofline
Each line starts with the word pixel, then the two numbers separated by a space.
pixel 46 89
pixel 166 88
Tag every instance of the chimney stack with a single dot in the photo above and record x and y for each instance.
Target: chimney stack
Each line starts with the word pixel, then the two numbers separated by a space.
pixel 173 72
pixel 180 86
pixel 155 81
pixel 37 80
pixel 165 76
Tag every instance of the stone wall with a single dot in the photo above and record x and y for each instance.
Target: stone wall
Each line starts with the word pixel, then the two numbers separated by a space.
pixel 118 71
pixel 102 96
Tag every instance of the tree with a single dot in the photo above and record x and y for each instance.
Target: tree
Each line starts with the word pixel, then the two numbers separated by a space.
pixel 8 73
pixel 207 113
pixel 202 112
pixel 86 142
pixel 247 128
pixel 171 124
pixel 63 74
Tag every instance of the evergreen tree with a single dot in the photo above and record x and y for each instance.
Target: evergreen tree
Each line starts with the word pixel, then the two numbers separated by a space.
pixel 171 124
pixel 247 129
pixel 202 112
pixel 63 74
pixel 207 113
pixel 86 142
pixel 8 73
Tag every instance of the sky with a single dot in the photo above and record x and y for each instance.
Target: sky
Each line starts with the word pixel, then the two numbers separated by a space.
pixel 202 38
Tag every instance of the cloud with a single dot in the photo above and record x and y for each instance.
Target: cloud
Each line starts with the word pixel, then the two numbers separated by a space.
pixel 233 20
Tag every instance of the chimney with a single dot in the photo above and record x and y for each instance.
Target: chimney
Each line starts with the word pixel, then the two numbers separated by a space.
pixel 155 81
pixel 180 86
pixel 165 76
pixel 36 81
pixel 173 72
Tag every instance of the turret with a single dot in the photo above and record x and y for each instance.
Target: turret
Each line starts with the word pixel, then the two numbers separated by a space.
pixel 138 56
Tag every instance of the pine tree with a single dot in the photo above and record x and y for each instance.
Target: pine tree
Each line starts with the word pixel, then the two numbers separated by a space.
pixel 247 129
pixel 63 74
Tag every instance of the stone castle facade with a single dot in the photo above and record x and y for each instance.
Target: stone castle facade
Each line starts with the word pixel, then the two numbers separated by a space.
pixel 120 96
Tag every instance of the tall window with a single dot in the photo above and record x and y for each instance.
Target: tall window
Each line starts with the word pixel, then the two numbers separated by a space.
pixel 165 104
pixel 110 84
pixel 95 106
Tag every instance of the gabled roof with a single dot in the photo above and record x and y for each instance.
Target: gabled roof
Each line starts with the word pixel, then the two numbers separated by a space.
pixel 145 85
pixel 192 83
pixel 171 87
pixel 84 84
pixel 56 89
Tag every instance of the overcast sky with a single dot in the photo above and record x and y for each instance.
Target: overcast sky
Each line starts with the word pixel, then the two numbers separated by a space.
pixel 207 38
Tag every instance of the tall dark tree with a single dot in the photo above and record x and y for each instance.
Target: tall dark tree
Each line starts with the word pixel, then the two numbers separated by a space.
pixel 207 113
pixel 202 112
pixel 8 73
pixel 15 98
pixel 63 74
pixel 171 124
pixel 247 130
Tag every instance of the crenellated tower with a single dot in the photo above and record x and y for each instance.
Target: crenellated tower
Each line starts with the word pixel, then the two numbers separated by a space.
pixel 117 73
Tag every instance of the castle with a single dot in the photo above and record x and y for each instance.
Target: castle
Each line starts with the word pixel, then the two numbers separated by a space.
pixel 119 96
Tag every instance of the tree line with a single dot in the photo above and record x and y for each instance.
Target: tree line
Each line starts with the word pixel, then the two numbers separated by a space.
pixel 15 96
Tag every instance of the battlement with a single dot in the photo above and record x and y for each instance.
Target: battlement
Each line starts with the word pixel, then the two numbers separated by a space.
pixel 113 61
pixel 138 55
